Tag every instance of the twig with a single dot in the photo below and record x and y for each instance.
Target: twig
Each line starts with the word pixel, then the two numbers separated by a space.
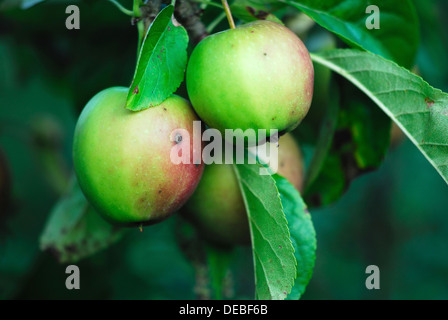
pixel 229 14
pixel 209 3
pixel 122 9
pixel 188 13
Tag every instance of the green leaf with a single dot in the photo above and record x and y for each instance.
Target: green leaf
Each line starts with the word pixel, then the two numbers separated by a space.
pixel 75 231
pixel 252 10
pixel 26 4
pixel 420 110
pixel 22 4
pixel 161 63
pixel 368 126
pixel 354 139
pixel 303 235
pixel 397 38
pixel 330 185
pixel 431 60
pixel 274 261
pixel 219 260
pixel 325 138
pixel 245 7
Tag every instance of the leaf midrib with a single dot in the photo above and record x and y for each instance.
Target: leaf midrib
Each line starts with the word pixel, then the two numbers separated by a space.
pixel 371 95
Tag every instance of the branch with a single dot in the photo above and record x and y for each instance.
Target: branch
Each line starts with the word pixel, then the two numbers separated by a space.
pixel 188 13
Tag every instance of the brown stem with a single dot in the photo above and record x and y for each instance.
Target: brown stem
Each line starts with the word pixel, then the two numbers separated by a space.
pixel 188 13
pixel 228 14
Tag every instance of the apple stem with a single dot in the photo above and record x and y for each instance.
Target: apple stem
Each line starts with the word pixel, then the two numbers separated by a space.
pixel 140 24
pixel 122 9
pixel 228 14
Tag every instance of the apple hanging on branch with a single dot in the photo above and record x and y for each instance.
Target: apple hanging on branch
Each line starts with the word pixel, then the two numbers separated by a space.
pixel 217 208
pixel 122 158
pixel 256 76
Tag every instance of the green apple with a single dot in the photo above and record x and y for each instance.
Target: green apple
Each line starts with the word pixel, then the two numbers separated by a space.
pixel 122 158
pixel 290 161
pixel 217 208
pixel 257 76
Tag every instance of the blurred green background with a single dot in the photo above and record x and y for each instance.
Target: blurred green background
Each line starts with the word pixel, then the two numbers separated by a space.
pixel 396 217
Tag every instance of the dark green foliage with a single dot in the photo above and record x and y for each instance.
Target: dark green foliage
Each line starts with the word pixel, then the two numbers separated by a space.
pixel 394 216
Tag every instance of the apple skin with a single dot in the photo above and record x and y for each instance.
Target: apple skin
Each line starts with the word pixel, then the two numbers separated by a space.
pixel 122 158
pixel 217 208
pixel 290 161
pixel 257 76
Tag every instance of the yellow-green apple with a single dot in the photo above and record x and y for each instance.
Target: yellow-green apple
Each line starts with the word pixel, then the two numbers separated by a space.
pixel 217 208
pixel 122 158
pixel 256 76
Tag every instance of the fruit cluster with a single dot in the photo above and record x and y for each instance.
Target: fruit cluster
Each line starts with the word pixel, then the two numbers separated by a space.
pixel 257 76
